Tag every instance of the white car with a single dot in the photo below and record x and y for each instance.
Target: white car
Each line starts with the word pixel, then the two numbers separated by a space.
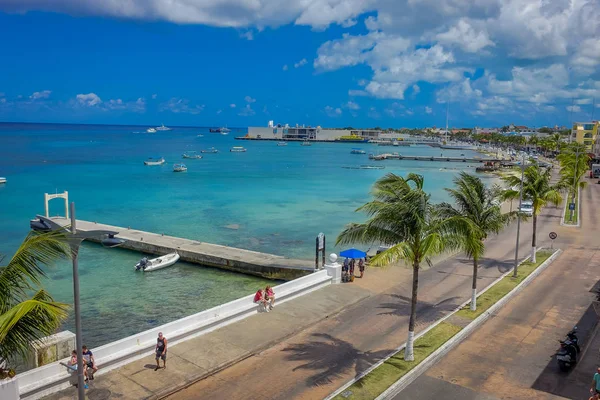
pixel 527 208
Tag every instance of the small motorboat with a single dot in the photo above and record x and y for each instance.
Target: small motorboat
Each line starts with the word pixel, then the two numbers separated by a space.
pixel 2 179
pixel 281 143
pixel 165 261
pixel 155 161
pixel 211 150
pixel 179 168
pixel 191 154
pixel 237 149
pixel 151 130
pixel 305 143
pixel 357 151
pixel 200 135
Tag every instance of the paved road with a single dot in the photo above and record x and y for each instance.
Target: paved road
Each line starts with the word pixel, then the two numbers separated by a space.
pixel 510 356
pixel 317 361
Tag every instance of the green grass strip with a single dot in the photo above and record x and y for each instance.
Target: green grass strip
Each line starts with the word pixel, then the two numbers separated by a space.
pixel 382 377
pixel 567 219
pixel 501 289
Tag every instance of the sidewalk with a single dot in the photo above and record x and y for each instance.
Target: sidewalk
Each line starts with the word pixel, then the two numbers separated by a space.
pixel 193 359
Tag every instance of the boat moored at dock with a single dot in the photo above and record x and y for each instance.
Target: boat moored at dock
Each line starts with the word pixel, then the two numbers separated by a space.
pixel 165 261
pixel 154 161
pixel 281 143
pixel 305 143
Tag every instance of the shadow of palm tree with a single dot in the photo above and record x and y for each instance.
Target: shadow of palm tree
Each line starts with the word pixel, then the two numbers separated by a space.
pixel 490 263
pixel 331 357
pixel 426 312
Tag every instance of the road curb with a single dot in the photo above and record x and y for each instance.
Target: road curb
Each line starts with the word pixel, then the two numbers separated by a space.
pixel 434 357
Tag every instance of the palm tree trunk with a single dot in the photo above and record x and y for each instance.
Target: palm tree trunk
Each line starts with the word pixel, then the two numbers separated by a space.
pixel 408 351
pixel 474 287
pixel 534 238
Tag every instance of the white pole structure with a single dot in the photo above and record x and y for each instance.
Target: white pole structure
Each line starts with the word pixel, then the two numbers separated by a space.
pixel 519 218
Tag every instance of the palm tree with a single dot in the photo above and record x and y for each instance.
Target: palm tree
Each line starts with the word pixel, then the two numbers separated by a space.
pixel 402 216
pixel 27 312
pixel 556 141
pixel 478 205
pixel 574 163
pixel 537 189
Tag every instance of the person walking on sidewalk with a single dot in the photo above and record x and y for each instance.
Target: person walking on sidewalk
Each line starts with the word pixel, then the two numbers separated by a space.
pixel 595 390
pixel 361 267
pixel 161 351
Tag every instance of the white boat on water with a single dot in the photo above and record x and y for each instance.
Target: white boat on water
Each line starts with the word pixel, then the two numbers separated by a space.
pixel 2 179
pixel 281 143
pixel 191 154
pixel 199 135
pixel 151 130
pixel 154 161
pixel 165 261
pixel 179 168
pixel 163 128
pixel 357 151
pixel 211 150
pixel 224 131
pixel 237 149
pixel 306 143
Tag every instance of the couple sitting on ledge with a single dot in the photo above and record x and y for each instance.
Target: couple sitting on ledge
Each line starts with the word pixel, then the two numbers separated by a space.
pixel 265 298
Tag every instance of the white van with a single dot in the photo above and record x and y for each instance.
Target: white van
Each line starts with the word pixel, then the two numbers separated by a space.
pixel 527 207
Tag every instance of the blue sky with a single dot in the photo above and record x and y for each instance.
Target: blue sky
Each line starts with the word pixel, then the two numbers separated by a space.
pixel 320 62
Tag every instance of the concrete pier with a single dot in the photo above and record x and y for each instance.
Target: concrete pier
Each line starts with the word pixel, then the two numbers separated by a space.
pixel 212 255
pixel 396 156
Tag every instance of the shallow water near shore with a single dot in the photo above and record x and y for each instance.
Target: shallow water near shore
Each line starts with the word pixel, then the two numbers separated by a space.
pixel 272 199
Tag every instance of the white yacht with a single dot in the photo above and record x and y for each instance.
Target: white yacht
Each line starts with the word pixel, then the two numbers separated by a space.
pixel 151 130
pixel 163 128
pixel 2 179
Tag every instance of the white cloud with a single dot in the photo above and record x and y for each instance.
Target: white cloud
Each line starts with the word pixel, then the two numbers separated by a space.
pixel 300 63
pixel 89 99
pixel 219 112
pixel 352 105
pixel 574 109
pixel 416 89
pixel 44 94
pixel 248 35
pixel 247 111
pixel 466 37
pixel 232 105
pixel 249 99
pixel 428 110
pixel 154 96
pixel 373 113
pixel 181 106
pixel 333 112
pixel 285 67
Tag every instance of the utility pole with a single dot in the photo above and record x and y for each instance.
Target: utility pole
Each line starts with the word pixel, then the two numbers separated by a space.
pixel 519 218
pixel 571 118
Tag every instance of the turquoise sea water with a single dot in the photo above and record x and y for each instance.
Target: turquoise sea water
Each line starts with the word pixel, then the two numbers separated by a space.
pixel 278 197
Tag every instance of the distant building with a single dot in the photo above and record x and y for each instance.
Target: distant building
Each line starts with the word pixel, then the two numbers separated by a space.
pixel 284 132
pixel 586 133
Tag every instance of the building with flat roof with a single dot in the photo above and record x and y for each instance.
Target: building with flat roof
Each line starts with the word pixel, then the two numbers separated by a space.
pixel 286 132
pixel 586 133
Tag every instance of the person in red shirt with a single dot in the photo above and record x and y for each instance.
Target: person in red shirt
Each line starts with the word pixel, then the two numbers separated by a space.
pixel 260 298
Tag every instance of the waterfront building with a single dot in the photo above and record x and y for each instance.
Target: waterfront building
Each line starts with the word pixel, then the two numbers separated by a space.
pixel 586 133
pixel 286 132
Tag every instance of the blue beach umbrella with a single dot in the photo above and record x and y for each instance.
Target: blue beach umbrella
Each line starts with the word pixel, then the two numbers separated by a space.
pixel 353 253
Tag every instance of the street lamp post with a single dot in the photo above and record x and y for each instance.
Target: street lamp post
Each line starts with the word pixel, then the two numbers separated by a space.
pixel 75 239
pixel 519 218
